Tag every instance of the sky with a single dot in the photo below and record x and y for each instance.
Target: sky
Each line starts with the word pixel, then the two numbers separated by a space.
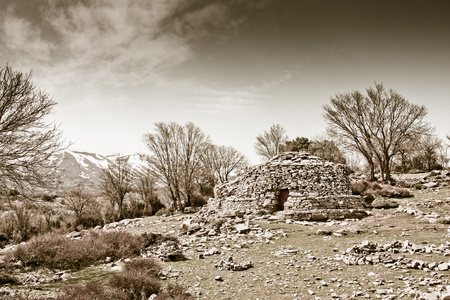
pixel 233 67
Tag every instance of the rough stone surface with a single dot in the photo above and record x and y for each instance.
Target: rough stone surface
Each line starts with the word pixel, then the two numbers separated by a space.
pixel 318 190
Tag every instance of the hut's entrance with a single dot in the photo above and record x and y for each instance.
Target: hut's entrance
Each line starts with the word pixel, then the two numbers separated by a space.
pixel 282 198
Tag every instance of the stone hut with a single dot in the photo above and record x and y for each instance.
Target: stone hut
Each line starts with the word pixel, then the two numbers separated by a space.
pixel 302 186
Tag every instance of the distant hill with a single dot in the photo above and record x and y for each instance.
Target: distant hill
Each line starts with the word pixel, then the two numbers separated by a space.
pixel 84 168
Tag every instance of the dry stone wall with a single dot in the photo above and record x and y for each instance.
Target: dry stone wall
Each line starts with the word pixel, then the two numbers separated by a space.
pixel 316 187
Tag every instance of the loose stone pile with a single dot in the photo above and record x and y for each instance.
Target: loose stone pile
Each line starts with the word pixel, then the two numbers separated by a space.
pixel 373 253
pixel 229 265
pixel 318 190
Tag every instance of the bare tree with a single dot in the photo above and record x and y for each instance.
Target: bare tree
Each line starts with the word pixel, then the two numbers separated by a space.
pixel 145 184
pixel 270 143
pixel 376 125
pixel 27 142
pixel 223 161
pixel 175 159
pixel 428 152
pixel 77 200
pixel 116 182
pixel 327 150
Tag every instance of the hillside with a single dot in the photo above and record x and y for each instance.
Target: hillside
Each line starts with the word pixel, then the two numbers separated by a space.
pixel 78 167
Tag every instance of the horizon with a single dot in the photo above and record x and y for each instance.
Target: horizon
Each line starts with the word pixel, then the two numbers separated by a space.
pixel 233 69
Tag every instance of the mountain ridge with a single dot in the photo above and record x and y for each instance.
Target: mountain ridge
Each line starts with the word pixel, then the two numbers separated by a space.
pixel 84 168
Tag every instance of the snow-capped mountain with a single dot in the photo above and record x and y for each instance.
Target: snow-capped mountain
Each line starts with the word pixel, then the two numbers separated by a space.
pixel 84 168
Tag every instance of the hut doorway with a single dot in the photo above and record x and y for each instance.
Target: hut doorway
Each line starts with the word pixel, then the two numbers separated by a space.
pixel 282 198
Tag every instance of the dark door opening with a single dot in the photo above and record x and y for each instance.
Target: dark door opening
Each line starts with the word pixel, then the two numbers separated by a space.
pixel 282 198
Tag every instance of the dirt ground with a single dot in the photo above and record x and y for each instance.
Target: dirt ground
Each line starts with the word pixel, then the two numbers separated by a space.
pixel 399 253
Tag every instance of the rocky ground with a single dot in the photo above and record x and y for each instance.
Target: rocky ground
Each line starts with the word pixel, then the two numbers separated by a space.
pixel 398 253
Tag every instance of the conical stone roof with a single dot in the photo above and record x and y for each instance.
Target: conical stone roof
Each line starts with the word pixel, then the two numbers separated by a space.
pixel 313 185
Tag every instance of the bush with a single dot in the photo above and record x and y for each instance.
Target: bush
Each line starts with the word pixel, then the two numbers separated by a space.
pixel 147 266
pixel 7 279
pixel 48 198
pixel 198 201
pixel 174 291
pixel 359 187
pixel 365 188
pixel 135 284
pixel 165 211
pixel 138 280
pixel 57 251
pixel 157 239
pixel 91 291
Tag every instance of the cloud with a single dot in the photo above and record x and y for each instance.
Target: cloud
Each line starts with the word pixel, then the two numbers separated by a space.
pixel 21 38
pixel 103 43
pixel 80 49
pixel 268 85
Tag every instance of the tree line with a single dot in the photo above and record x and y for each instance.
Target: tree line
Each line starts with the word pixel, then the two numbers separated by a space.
pixel 381 126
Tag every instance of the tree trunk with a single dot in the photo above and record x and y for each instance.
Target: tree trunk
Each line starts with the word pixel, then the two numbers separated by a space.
pixel 121 209
pixel 372 170
pixel 387 170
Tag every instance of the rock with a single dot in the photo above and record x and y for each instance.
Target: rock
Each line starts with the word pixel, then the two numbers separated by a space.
pixel 218 278
pixel 384 203
pixel 319 216
pixel 242 228
pixel 116 268
pixel 230 265
pixel 191 209
pixel 66 276
pixel 323 232
pixel 273 219
pixel 239 213
pixel 431 184
pixel 443 267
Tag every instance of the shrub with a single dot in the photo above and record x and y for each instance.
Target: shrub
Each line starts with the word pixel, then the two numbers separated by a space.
pixel 48 198
pixel 138 280
pixel 147 266
pixel 56 251
pixel 198 201
pixel 91 291
pixel 157 239
pixel 133 207
pixel 165 211
pixel 135 284
pixel 174 291
pixel 7 279
pixel 373 188
pixel 359 187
